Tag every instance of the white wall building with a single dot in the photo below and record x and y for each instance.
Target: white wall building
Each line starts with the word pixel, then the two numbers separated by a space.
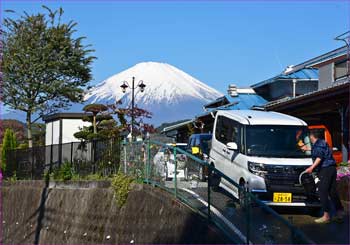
pixel 60 127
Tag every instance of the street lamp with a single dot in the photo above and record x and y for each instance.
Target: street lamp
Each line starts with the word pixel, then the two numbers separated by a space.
pixel 124 86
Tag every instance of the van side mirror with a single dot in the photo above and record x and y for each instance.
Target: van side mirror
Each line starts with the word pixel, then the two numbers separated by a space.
pixel 232 146
pixel 195 150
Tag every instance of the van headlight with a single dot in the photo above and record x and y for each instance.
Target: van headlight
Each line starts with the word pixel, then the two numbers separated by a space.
pixel 257 168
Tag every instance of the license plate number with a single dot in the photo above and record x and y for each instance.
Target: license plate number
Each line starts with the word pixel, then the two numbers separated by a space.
pixel 282 197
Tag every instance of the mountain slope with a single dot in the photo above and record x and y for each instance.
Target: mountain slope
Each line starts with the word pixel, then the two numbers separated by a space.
pixel 170 93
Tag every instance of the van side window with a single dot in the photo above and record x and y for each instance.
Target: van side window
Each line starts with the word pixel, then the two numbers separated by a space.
pixel 227 130
pixel 218 128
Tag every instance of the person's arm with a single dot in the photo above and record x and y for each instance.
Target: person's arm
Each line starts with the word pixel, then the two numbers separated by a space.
pixel 314 165
pixel 305 148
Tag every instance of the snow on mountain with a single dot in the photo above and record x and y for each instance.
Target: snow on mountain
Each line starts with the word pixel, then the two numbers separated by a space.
pixel 170 93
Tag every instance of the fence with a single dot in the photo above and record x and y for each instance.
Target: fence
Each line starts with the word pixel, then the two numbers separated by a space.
pixel 247 220
pixel 86 157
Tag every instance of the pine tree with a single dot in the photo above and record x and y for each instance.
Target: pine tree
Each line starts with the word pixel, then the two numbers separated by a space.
pixel 9 143
pixel 103 124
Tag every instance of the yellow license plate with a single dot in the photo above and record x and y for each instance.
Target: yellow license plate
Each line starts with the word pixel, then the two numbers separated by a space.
pixel 282 197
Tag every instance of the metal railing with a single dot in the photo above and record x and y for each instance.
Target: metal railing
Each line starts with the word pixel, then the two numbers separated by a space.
pixel 243 221
pixel 85 157
pixel 247 220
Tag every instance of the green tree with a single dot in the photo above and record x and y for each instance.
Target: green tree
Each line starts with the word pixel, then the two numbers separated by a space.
pixel 38 132
pixel 9 142
pixel 44 66
pixel 95 109
pixel 103 124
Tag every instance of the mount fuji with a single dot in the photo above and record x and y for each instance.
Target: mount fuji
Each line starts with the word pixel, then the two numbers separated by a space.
pixel 170 94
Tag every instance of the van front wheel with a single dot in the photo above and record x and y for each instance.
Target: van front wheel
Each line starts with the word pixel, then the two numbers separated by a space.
pixel 242 196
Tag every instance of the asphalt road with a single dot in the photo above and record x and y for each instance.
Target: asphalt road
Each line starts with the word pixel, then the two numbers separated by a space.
pixel 263 226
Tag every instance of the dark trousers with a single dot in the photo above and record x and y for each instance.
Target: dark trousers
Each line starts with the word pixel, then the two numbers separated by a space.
pixel 327 188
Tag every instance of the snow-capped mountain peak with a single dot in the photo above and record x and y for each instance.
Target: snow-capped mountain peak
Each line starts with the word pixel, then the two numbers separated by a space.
pixel 170 94
pixel 164 83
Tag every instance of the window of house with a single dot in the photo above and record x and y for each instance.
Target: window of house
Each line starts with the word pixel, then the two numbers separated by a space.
pixel 340 70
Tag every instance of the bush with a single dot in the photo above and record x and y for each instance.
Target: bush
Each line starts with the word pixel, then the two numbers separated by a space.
pixel 13 178
pixel 9 143
pixel 94 177
pixel 23 146
pixel 121 185
pixel 65 172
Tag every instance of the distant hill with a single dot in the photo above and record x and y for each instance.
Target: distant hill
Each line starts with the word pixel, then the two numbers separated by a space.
pixel 17 126
pixel 20 129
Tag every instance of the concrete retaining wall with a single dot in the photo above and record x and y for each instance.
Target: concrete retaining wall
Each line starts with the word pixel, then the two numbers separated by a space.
pixel 86 212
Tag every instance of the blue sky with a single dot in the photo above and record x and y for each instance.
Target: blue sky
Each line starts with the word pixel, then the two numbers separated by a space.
pixel 217 42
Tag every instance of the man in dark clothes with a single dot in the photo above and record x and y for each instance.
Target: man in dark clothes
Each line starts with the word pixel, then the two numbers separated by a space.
pixel 324 164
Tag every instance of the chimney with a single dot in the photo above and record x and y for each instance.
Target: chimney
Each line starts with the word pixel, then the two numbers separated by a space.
pixel 232 90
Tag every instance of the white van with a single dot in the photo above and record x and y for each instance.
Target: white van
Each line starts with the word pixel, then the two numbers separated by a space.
pixel 261 151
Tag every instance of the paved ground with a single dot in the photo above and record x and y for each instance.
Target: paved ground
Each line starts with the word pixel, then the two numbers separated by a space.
pixel 264 227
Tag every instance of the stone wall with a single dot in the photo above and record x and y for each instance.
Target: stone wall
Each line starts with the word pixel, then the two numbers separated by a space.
pixel 86 212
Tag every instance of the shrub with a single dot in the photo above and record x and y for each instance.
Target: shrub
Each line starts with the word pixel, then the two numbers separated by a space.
pixel 23 146
pixel 13 178
pixel 9 143
pixel 65 172
pixel 121 185
pixel 94 177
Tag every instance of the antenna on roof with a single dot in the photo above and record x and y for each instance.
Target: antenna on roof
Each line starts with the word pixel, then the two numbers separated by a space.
pixel 345 37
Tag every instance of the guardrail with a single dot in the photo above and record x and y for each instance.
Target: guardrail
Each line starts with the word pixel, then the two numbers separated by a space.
pixel 247 221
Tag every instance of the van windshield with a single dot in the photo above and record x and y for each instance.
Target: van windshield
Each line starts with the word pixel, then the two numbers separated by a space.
pixel 277 141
